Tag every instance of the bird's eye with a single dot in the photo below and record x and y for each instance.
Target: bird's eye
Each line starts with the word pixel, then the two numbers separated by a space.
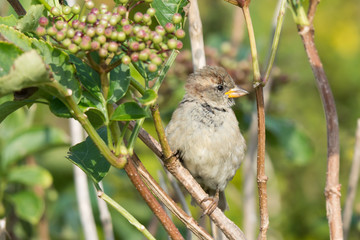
pixel 220 87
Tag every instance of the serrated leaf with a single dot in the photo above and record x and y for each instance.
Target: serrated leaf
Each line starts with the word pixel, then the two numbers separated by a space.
pixel 8 20
pixel 30 176
pixel 166 9
pixel 28 206
pixel 297 145
pixel 63 70
pixel 58 60
pixel 128 111
pixel 119 83
pixel 15 37
pixel 148 98
pixel 31 141
pixel 87 156
pixel 9 107
pixel 8 53
pixel 28 70
pixel 30 21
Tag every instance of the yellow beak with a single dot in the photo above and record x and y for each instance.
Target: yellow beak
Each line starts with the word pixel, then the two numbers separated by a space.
pixel 236 92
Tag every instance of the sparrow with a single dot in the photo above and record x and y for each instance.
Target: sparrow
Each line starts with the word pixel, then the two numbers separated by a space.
pixel 204 132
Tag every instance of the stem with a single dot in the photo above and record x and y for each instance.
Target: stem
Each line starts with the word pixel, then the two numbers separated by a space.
pixel 16 5
pixel 165 69
pixel 255 62
pixel 332 189
pixel 84 121
pixel 137 86
pixel 168 202
pixel 105 84
pixel 353 183
pixel 135 133
pixel 280 20
pixel 151 201
pixel 132 220
pixel 46 5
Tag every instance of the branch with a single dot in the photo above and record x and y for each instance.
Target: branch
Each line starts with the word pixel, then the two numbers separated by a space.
pixel 196 36
pixel 332 189
pixel 16 5
pixel 189 222
pixel 151 200
pixel 353 183
pixel 105 218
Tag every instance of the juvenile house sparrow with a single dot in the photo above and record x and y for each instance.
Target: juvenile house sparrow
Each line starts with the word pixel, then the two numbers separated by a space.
pixel 205 134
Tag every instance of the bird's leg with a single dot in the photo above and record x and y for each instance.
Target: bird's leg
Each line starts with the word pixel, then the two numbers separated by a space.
pixel 213 204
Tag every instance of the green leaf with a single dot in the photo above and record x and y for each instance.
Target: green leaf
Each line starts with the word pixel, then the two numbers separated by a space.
pixel 31 141
pixel 9 107
pixel 128 111
pixel 95 109
pixel 148 98
pixel 28 206
pixel 58 108
pixel 119 83
pixel 166 9
pixel 8 20
pixel 30 21
pixel 87 156
pixel 63 71
pixel 30 176
pixel 8 53
pixel 88 77
pixel 15 37
pixel 28 70
pixel 296 143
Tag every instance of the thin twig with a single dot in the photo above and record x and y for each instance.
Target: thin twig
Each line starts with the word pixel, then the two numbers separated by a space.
pixel 82 187
pixel 16 5
pixel 332 189
pixel 126 214
pixel 189 222
pixel 258 85
pixel 353 183
pixel 196 36
pixel 105 218
pixel 151 200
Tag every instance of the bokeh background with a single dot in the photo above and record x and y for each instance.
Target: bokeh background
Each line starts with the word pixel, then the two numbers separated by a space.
pixel 296 134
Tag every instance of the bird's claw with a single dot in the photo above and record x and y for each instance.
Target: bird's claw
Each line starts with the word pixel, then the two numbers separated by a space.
pixel 213 204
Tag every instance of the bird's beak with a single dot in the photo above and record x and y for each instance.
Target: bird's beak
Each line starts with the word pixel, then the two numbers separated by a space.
pixel 236 92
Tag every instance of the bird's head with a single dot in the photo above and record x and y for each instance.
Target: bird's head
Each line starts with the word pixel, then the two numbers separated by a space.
pixel 213 85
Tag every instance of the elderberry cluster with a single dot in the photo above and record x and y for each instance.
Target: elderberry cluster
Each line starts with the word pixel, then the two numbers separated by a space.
pixel 113 32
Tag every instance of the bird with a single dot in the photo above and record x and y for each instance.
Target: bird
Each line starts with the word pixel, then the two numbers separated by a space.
pixel 204 132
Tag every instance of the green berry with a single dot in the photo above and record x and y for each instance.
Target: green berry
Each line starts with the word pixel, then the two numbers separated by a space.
pixel 127 29
pixel 40 31
pixel 160 30
pixel 55 11
pixel 95 45
pixel 75 9
pixel 70 33
pixel 138 17
pixel 134 46
pixel 152 67
pixel 134 57
pixel 143 55
pixel 123 1
pixel 176 18
pixel 66 10
pixel 126 60
pixel 60 36
pixel 148 1
pixel 124 22
pixel 156 60
pixel 121 36
pixel 100 30
pixel 172 43
pixel 91 18
pixel 157 38
pixel 75 23
pixel 169 27
pixel 89 4
pixel 77 39
pixel 113 47
pixel 59 25
pixel 66 42
pixel 180 33
pixel 121 10
pixel 43 21
pixel 151 12
pixel 85 44
pixel 146 18
pixel 179 45
pixel 90 32
pixel 73 48
pixel 101 39
pixel 103 53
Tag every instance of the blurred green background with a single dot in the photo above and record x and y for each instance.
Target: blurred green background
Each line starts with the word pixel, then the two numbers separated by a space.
pixel 296 142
